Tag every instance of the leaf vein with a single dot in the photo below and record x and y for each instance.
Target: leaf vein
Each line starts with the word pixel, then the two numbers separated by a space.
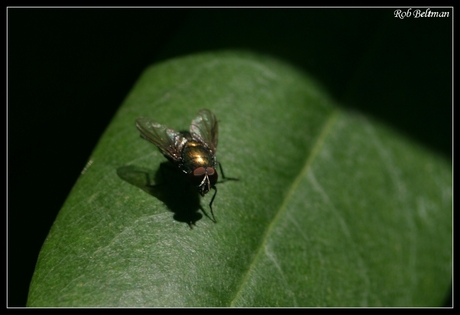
pixel 283 208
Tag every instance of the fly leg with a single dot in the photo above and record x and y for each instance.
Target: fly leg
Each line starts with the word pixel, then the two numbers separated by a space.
pixel 223 174
pixel 215 191
pixel 212 200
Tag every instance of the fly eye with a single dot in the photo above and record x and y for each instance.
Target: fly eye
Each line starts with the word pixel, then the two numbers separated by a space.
pixel 212 174
pixel 199 172
pixel 197 176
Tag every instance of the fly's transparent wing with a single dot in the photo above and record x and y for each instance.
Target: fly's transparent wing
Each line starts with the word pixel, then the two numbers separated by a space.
pixel 204 128
pixel 169 141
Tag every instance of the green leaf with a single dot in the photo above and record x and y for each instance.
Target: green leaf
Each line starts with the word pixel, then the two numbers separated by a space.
pixel 332 208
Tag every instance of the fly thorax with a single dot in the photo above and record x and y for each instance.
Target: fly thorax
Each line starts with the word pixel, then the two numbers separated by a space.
pixel 195 155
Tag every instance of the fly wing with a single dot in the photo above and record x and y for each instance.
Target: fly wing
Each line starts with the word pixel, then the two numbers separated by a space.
pixel 168 141
pixel 204 128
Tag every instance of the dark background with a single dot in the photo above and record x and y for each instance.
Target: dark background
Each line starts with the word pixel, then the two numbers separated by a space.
pixel 70 69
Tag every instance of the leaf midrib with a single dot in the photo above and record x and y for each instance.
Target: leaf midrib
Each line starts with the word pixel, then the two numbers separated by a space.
pixel 282 209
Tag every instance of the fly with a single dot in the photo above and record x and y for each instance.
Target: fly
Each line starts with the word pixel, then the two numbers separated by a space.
pixel 193 152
